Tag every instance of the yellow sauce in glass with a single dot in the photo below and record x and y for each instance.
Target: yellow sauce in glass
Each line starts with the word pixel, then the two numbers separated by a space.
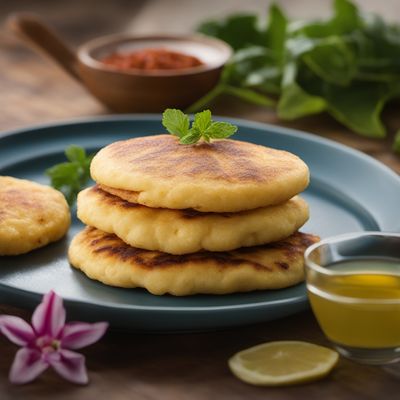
pixel 359 310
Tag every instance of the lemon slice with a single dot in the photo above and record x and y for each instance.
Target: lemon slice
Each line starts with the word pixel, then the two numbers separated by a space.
pixel 283 363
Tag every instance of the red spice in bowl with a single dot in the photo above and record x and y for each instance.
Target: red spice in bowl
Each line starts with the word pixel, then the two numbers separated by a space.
pixel 151 59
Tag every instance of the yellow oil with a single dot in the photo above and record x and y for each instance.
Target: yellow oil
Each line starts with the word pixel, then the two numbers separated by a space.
pixel 359 310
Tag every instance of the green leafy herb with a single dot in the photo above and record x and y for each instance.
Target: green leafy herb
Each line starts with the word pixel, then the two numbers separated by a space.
pixel 70 177
pixel 203 127
pixel 347 65
pixel 396 143
pixel 176 122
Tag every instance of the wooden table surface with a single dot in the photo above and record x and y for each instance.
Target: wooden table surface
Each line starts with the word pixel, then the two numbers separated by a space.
pixel 184 366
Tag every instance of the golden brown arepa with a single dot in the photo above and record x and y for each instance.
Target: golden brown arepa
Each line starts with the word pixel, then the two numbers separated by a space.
pixel 106 258
pixel 221 176
pixel 31 215
pixel 189 231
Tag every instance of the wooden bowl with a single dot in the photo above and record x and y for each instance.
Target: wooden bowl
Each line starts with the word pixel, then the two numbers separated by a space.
pixel 133 90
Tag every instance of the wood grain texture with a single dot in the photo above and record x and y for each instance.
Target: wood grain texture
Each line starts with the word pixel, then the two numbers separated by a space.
pixel 194 367
pixel 190 366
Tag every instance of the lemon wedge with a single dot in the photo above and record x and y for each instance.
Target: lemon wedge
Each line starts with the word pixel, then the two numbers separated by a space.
pixel 283 363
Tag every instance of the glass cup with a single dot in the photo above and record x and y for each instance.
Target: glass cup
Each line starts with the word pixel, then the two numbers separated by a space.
pixel 353 283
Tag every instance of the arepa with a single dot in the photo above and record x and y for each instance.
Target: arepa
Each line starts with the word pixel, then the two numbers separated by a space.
pixel 106 258
pixel 221 176
pixel 31 215
pixel 189 231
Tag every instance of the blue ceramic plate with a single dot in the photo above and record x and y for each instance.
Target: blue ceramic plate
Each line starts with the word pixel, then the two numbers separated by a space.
pixel 349 192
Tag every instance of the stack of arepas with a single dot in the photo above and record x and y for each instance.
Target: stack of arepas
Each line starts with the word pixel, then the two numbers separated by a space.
pixel 216 218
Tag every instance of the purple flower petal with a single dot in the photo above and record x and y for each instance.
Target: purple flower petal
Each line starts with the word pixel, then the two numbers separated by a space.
pixel 28 365
pixel 70 366
pixel 16 330
pixel 76 335
pixel 49 316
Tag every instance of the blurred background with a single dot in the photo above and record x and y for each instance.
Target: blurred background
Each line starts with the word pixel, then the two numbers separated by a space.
pixel 35 90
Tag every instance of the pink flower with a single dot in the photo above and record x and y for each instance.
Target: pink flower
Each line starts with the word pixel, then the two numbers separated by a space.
pixel 49 342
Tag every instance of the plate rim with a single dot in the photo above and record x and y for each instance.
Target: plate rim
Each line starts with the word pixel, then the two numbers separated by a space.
pixel 293 300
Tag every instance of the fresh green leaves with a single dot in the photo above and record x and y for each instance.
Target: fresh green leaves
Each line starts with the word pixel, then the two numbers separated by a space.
pixel 70 177
pixel 396 143
pixel 332 60
pixel 276 32
pixel 347 65
pixel 220 130
pixel 176 122
pixel 295 102
pixel 238 30
pixel 203 127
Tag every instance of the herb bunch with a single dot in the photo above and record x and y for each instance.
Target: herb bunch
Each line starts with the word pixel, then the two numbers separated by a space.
pixel 70 177
pixel 348 65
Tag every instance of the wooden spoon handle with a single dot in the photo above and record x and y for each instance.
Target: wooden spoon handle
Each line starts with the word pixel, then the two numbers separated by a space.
pixel 32 30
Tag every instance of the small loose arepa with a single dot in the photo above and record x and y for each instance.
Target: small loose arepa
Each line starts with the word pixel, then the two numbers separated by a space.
pixel 106 258
pixel 189 231
pixel 221 176
pixel 31 215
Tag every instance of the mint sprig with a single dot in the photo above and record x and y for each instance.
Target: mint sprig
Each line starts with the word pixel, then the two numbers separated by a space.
pixel 202 128
pixel 70 177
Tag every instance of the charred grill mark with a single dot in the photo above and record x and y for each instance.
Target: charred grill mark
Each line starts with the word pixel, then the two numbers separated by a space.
pixel 111 245
pixel 151 259
pixel 189 213
pixel 301 242
pixel 282 265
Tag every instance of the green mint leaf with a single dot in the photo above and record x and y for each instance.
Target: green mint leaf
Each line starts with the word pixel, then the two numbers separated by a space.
pixel 359 108
pixel 333 60
pixel 176 122
pixel 396 143
pixel 65 177
pixel 276 31
pixel 202 120
pixel 203 128
pixel 211 28
pixel 86 169
pixel 346 18
pixel 192 137
pixel 266 79
pixel 63 173
pixel 239 30
pixel 70 177
pixel 220 130
pixel 75 153
pixel 295 102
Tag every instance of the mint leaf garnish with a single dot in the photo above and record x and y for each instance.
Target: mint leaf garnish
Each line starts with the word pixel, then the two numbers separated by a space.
pixel 70 177
pixel 176 122
pixel 202 120
pixel 221 130
pixel 192 137
pixel 202 128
